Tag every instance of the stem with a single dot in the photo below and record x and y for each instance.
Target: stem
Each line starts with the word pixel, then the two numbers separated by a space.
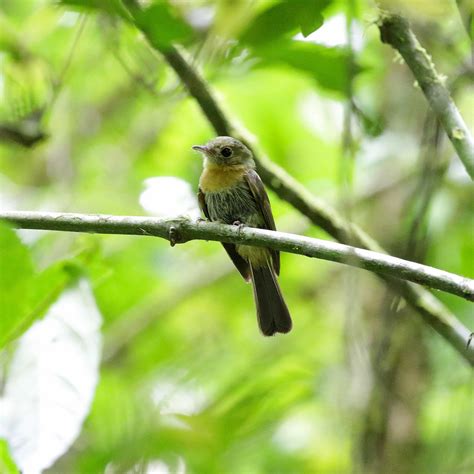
pixel 395 30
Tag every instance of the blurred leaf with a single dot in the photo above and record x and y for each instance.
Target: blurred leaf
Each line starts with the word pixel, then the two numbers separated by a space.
pixel 421 10
pixel 51 380
pixel 466 11
pixel 24 295
pixel 310 17
pixel 373 126
pixel 10 40
pixel 45 289
pixel 327 65
pixel 24 96
pixel 16 275
pixel 285 17
pixel 7 465
pixel 162 25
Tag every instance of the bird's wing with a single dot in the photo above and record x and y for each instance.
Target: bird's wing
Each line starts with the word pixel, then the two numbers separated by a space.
pixel 261 198
pixel 238 261
pixel 202 203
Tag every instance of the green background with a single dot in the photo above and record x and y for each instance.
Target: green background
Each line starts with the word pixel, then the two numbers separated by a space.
pixel 360 384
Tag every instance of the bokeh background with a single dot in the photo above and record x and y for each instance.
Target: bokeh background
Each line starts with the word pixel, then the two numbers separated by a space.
pixel 89 111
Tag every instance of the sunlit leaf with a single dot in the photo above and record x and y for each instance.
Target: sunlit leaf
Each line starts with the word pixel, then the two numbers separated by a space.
pixel 16 275
pixel 25 295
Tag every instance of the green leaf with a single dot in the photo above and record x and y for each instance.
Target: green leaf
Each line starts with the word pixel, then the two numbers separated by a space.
pixel 7 465
pixel 283 18
pixel 162 25
pixel 373 125
pixel 24 295
pixel 327 65
pixel 16 274
pixel 45 289
pixel 310 17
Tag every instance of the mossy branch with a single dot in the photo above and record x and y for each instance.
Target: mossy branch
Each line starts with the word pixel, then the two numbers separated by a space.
pixel 395 31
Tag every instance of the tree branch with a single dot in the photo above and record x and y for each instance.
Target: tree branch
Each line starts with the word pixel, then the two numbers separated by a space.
pixel 182 230
pixel 395 30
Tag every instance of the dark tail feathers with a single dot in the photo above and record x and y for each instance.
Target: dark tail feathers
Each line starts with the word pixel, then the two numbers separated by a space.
pixel 272 312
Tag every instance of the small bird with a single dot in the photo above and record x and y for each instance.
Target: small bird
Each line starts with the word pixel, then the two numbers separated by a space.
pixel 231 192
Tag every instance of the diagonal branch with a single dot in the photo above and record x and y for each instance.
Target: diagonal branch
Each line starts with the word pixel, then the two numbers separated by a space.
pixel 395 30
pixel 182 230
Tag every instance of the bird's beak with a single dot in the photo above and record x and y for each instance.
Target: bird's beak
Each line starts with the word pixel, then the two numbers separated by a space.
pixel 201 148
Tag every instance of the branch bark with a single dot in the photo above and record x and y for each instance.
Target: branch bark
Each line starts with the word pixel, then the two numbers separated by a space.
pixel 182 230
pixel 395 31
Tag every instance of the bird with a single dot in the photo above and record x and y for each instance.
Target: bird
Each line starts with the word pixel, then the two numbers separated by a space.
pixel 231 192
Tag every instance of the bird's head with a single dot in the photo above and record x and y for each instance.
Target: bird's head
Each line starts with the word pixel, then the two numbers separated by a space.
pixel 225 151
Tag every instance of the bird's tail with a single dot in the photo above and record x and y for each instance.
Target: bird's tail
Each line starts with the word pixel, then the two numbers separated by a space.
pixel 272 312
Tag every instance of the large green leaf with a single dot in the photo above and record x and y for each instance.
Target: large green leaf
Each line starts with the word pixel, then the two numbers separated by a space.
pixel 285 17
pixel 327 65
pixel 162 25
pixel 16 275
pixel 43 291
pixel 25 295
pixel 310 17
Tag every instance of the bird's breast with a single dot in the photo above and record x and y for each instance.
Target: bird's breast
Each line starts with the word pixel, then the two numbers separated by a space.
pixel 219 178
pixel 233 202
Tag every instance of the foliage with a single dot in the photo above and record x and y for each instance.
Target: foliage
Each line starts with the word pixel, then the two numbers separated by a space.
pixel 186 379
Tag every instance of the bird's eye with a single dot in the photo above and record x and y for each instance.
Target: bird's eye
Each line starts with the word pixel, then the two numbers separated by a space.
pixel 226 152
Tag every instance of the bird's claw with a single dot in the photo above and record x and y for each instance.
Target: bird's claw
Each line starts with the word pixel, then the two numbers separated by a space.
pixel 239 225
pixel 173 236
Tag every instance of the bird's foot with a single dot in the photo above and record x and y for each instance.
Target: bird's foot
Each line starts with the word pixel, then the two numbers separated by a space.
pixel 173 236
pixel 239 225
